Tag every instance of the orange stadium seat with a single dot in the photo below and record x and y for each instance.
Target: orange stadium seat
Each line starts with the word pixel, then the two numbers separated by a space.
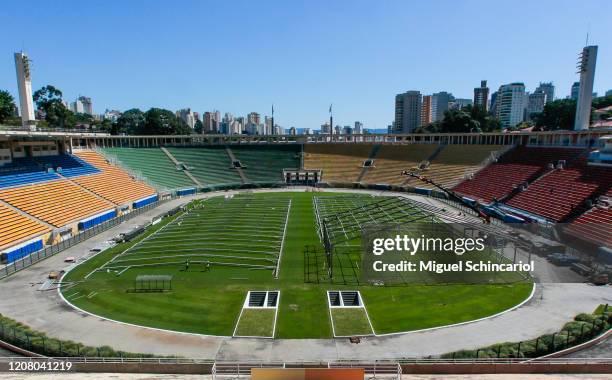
pixel 16 227
pixel 56 202
pixel 113 184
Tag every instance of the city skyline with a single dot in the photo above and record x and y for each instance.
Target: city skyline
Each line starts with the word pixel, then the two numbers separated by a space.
pixel 256 64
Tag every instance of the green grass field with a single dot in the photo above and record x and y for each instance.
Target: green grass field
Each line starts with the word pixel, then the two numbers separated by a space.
pixel 350 321
pixel 233 246
pixel 256 322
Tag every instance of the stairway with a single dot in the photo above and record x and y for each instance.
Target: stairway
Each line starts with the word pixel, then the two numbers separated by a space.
pixel 233 159
pixel 373 153
pixel 435 153
pixel 177 163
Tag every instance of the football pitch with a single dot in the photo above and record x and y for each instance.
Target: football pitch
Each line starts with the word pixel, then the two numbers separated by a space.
pixel 225 246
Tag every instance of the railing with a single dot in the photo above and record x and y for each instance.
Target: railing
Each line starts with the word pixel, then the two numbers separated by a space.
pixel 327 364
pixel 65 244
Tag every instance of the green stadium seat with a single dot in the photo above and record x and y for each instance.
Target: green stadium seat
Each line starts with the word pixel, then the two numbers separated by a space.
pixel 152 164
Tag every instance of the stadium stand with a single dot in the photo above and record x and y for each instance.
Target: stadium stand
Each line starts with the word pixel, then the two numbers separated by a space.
pixel 16 227
pixel 594 225
pixel 55 202
pixel 391 160
pixel 560 192
pixel 340 163
pixel 153 164
pixel 71 166
pixel 23 171
pixel 211 166
pixel 453 163
pixel 266 164
pixel 518 166
pixel 112 184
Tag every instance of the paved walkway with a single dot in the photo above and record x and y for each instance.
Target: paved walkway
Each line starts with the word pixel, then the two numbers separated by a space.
pixel 601 350
pixel 547 311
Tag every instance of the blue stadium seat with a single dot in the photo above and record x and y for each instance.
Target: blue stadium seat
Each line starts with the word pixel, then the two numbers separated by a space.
pixel 72 166
pixel 24 171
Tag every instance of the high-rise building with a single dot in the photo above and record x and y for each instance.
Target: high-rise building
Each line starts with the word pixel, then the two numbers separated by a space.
pixel 268 127
pixel 535 103
pixel 77 106
pixel 510 104
pixel 253 118
pixel 83 105
pixel 547 88
pixel 575 91
pixel 481 96
pixel 24 84
pixel 609 93
pixel 187 116
pixel 326 129
pixel 493 104
pixel 292 131
pixel 407 112
pixel 586 69
pixel 87 105
pixel 211 122
pixel 439 104
pixel 358 129
pixel 426 110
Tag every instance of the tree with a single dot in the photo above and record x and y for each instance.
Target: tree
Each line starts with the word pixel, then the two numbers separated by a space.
pixel 8 109
pixel 159 121
pixel 131 122
pixel 459 121
pixel 487 122
pixel 557 115
pixel 104 125
pixel 602 102
pixel 49 100
pixel 465 120
pixel 198 126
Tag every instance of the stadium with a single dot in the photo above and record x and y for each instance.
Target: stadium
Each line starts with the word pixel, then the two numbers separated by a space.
pixel 238 248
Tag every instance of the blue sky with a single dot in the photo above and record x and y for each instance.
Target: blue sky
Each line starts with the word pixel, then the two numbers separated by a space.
pixel 242 56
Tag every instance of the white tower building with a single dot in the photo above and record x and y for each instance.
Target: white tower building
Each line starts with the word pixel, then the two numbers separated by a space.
pixel 586 69
pixel 511 102
pixel 24 83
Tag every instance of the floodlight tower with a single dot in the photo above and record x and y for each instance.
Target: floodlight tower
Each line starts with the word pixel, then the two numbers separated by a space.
pixel 24 83
pixel 586 69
